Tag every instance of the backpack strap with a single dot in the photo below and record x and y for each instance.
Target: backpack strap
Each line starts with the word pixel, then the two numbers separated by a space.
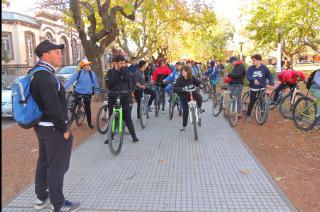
pixel 43 68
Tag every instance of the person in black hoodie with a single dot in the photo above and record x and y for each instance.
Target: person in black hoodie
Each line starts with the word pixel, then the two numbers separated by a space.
pixel 186 79
pixel 237 75
pixel 55 139
pixel 118 79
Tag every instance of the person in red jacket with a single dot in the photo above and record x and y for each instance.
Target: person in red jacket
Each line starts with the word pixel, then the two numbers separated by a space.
pixel 157 77
pixel 288 78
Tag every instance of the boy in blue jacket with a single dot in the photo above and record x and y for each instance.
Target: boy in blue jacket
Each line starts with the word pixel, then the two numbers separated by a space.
pixel 257 76
pixel 172 78
pixel 213 74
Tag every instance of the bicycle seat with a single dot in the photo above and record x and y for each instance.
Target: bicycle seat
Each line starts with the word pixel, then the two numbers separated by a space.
pixel 224 87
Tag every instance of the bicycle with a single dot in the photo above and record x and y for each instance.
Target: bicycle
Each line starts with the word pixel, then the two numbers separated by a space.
pixel 144 110
pixel 116 134
pixel 230 111
pixel 207 90
pixel 274 103
pixel 288 101
pixel 305 113
pixel 75 108
pixel 103 116
pixel 194 113
pixel 173 101
pixel 160 95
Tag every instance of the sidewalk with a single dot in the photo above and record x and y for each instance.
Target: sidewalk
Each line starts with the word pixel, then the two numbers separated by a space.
pixel 168 171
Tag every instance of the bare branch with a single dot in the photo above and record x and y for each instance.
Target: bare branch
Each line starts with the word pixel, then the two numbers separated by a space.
pixel 91 17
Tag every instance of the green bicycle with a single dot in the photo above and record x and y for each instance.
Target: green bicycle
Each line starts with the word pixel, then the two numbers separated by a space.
pixel 116 134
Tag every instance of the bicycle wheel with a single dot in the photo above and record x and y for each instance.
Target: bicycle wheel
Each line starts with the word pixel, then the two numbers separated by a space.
pixel 285 107
pixel 261 109
pixel 71 115
pixel 245 101
pixel 194 123
pixel 172 104
pixel 271 103
pixel 304 114
pixel 103 119
pixel 217 105
pixel 205 92
pixel 233 112
pixel 143 115
pixel 115 134
pixel 80 114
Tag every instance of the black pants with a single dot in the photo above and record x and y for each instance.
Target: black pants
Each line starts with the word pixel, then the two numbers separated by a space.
pixel 185 110
pixel 253 98
pixel 280 88
pixel 126 104
pixel 53 163
pixel 87 104
pixel 138 95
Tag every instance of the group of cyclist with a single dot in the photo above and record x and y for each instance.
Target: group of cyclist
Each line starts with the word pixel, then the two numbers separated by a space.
pixel 162 78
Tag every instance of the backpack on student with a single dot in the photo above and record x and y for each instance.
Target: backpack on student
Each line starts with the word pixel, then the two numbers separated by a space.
pixel 26 111
pixel 310 79
pixel 90 78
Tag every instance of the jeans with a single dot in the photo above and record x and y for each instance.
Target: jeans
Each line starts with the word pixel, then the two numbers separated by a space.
pixel 138 95
pixel 316 93
pixel 162 91
pixel 185 109
pixel 169 88
pixel 236 90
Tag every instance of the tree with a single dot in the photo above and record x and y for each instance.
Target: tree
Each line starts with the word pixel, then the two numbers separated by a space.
pixel 300 20
pixel 96 22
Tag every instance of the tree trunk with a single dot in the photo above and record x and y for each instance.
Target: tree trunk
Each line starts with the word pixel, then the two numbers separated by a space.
pixel 291 60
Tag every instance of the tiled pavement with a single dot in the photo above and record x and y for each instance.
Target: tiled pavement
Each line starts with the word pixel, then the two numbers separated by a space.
pixel 168 171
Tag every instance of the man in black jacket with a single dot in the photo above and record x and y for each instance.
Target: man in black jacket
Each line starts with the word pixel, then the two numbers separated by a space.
pixel 237 75
pixel 118 79
pixel 55 139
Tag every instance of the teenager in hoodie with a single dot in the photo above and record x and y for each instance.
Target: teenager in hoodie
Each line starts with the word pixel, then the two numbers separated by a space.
pixel 257 76
pixel 236 85
pixel 213 74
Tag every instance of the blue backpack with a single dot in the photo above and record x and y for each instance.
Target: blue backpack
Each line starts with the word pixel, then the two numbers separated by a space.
pixel 26 111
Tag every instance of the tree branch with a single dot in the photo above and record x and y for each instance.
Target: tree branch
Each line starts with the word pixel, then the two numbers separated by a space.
pixel 75 9
pixel 91 18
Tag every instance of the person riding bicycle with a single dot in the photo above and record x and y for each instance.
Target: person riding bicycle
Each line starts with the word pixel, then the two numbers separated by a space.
pixel 315 90
pixel 118 80
pixel 237 75
pixel 213 74
pixel 157 77
pixel 172 78
pixel 141 86
pixel 257 76
pixel 86 86
pixel 288 78
pixel 186 79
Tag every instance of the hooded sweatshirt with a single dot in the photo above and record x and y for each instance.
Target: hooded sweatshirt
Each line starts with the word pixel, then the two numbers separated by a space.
pixel 261 74
pixel 238 73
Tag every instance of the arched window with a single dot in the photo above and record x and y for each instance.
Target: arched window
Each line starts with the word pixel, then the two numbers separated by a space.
pixel 49 36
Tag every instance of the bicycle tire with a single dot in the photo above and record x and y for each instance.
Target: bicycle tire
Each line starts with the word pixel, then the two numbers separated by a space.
pixel 297 118
pixel 233 113
pixel 115 137
pixel 261 111
pixel 270 101
pixel 102 118
pixel 80 114
pixel 205 93
pixel 217 105
pixel 143 115
pixel 194 122
pixel 283 105
pixel 245 101
pixel 71 115
pixel 172 104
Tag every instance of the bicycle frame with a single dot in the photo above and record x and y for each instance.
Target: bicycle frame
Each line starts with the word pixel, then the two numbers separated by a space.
pixel 117 109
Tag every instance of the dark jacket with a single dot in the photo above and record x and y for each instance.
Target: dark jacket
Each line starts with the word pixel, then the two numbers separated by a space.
pixel 238 73
pixel 118 80
pixel 51 102
pixel 261 74
pixel 182 82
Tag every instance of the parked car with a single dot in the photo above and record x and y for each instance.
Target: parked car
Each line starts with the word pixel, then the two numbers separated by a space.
pixel 6 98
pixel 67 71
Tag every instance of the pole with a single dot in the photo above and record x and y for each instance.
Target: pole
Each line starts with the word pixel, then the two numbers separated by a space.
pixel 278 69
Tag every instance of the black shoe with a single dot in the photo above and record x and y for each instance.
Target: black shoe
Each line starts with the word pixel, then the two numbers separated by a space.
pixel 106 141
pixel 201 110
pixel 90 126
pixel 183 129
pixel 135 140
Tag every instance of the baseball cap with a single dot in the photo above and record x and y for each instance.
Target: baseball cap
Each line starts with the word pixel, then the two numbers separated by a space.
pixel 179 63
pixel 46 46
pixel 84 62
pixel 232 59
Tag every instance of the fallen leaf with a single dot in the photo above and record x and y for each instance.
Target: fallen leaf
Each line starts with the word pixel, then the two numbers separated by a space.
pixel 245 171
pixel 279 179
pixel 34 150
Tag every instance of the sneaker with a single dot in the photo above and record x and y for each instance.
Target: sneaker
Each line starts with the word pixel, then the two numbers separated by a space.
pixel 183 129
pixel 248 118
pixel 149 109
pixel 106 141
pixel 90 126
pixel 39 205
pixel 135 140
pixel 163 111
pixel 70 206
pixel 201 110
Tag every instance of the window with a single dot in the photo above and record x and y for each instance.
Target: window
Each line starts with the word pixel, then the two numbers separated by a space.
pixel 6 46
pixel 49 36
